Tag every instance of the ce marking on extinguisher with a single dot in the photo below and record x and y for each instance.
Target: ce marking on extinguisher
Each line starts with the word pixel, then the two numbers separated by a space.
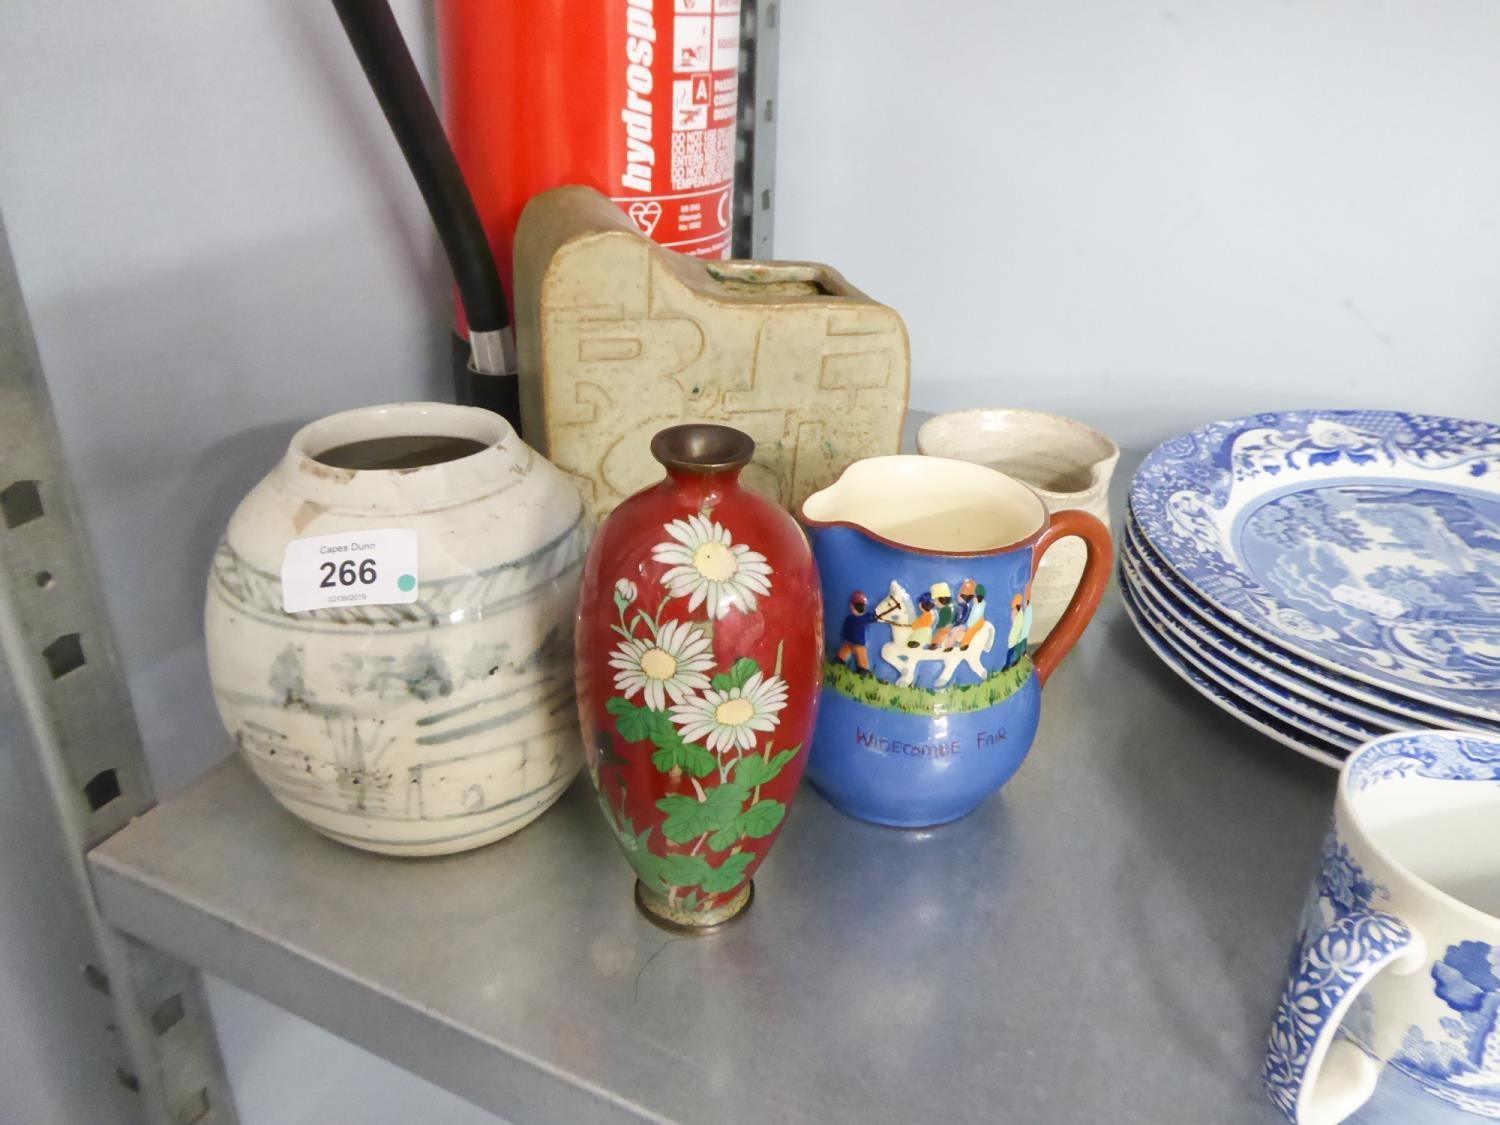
pixel 724 209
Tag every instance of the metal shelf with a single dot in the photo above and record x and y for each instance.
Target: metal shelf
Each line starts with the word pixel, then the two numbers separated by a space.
pixel 1103 941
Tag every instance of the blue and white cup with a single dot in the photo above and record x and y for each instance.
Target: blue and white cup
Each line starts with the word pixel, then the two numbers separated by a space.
pixel 1391 1013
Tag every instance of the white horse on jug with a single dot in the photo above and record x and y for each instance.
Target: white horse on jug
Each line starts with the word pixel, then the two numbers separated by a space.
pixel 898 611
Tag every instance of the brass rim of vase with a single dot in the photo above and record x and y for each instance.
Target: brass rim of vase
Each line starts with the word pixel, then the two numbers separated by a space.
pixel 702 447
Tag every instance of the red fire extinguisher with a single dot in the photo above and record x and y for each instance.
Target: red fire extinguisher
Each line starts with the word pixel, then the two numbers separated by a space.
pixel 637 98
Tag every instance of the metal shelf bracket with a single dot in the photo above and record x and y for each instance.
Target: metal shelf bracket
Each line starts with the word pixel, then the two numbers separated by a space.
pixel 755 172
pixel 57 650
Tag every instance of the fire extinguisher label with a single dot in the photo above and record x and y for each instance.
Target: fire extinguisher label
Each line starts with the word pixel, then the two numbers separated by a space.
pixel 679 102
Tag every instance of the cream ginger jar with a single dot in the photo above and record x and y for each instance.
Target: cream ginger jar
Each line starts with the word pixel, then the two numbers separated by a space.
pixel 425 705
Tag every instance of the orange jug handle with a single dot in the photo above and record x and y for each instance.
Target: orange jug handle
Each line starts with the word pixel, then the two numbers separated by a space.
pixel 1096 566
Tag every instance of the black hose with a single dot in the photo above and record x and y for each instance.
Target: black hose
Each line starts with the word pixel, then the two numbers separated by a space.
pixel 388 65
pixel 496 393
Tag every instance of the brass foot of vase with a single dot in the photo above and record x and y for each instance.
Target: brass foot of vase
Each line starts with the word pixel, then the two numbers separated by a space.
pixel 692 923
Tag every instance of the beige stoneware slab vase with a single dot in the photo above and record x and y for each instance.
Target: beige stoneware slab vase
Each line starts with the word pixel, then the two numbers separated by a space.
pixel 619 338
pixel 421 728
pixel 1067 462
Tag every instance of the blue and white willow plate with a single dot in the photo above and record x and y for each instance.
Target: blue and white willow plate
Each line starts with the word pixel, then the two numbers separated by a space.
pixel 1217 694
pixel 1344 731
pixel 1367 541
pixel 1271 661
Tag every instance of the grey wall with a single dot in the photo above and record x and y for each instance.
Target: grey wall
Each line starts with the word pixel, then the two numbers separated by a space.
pixel 1148 215
pixel 1144 214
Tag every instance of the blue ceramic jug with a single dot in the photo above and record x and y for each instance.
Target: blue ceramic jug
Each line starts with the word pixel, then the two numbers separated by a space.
pixel 930 701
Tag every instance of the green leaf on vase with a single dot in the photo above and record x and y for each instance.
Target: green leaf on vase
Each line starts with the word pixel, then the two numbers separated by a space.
pixel 753 770
pixel 688 818
pixel 649 869
pixel 646 864
pixel 738 675
pixel 726 837
pixel 684 870
pixel 671 750
pixel 633 723
pixel 728 875
pixel 760 819
pixel 694 759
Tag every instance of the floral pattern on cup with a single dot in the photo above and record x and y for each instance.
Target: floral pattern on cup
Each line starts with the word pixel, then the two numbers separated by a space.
pixel 1342 938
pixel 1463 1066
pixel 1405 972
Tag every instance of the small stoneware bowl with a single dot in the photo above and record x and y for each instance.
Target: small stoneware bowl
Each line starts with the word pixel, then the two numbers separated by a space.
pixel 1067 462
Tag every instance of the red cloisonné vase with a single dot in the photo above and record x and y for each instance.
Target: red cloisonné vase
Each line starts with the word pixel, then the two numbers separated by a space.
pixel 699 640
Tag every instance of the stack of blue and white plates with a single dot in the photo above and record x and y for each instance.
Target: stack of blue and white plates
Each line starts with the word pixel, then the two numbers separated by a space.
pixel 1326 576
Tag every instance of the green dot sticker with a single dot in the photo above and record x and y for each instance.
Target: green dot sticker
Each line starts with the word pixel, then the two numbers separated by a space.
pixel 406 583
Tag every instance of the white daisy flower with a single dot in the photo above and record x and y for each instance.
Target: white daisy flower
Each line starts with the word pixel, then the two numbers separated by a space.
pixel 712 569
pixel 725 719
pixel 624 592
pixel 671 665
